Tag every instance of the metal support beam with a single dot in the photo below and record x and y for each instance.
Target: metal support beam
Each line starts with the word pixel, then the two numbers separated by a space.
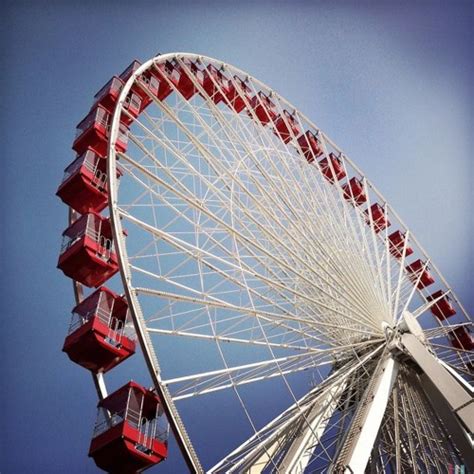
pixel 461 402
pixel 299 453
pixel 298 437
pixel 367 420
pixel 458 434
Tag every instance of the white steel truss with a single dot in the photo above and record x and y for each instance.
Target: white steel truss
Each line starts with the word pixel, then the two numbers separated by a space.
pixel 241 244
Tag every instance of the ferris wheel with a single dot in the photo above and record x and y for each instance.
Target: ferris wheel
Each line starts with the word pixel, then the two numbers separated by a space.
pixel 260 270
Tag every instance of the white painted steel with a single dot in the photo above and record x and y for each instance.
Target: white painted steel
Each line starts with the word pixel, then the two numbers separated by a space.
pixel 238 240
pixel 373 418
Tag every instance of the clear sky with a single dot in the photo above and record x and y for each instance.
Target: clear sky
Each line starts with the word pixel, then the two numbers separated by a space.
pixel 390 82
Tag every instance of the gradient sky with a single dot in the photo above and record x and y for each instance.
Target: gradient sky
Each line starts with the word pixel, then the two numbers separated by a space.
pixel 390 83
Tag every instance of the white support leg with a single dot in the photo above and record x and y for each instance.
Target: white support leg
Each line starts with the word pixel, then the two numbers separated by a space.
pixel 366 425
pixel 299 437
pixel 301 449
pixel 459 399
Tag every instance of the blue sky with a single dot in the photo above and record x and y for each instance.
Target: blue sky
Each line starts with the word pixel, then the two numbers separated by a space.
pixel 390 83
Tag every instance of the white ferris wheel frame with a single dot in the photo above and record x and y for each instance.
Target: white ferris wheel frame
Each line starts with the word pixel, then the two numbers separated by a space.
pixel 359 458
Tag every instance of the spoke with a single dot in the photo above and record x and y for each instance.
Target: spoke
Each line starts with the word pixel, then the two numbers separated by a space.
pixel 203 383
pixel 242 239
pixel 227 339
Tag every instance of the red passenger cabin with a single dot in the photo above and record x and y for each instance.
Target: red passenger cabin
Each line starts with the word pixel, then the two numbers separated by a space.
pixel 131 433
pixel 397 243
pixel 87 254
pixel 189 73
pixel 97 338
pixel 108 96
pixel 129 70
pixel 84 185
pixel 263 107
pixel 286 126
pixel 418 270
pixel 354 191
pixel 93 132
pixel 215 84
pixel 379 219
pixel 147 83
pixel 310 146
pixel 168 77
pixel 461 338
pixel 238 94
pixel 337 170
pixel 443 308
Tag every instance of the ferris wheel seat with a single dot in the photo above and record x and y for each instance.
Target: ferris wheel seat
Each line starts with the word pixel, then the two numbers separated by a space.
pixel 213 82
pixel 354 191
pixel 82 263
pixel 96 347
pixel 461 338
pixel 443 308
pixel 238 94
pixel 137 99
pixel 188 73
pixel 127 436
pixel 87 254
pixel 167 76
pixel 263 108
pixel 310 146
pixel 418 270
pixel 379 219
pixel 98 337
pixel 84 185
pixel 93 133
pixel 146 85
pixel 337 172
pixel 129 70
pixel 108 95
pixel 134 104
pixel 397 243
pixel 286 126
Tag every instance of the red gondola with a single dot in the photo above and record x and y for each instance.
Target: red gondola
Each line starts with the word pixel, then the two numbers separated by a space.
pixel 354 191
pixel 263 107
pixel 168 77
pixel 84 185
pixel 310 146
pixel 108 95
pixel 379 218
pixel 286 126
pixel 415 269
pixel 397 243
pixel 188 73
pixel 146 83
pixel 461 338
pixel 87 254
pixel 97 338
pixel 443 308
pixel 238 94
pixel 131 433
pixel 93 133
pixel 337 170
pixel 129 70
pixel 215 84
